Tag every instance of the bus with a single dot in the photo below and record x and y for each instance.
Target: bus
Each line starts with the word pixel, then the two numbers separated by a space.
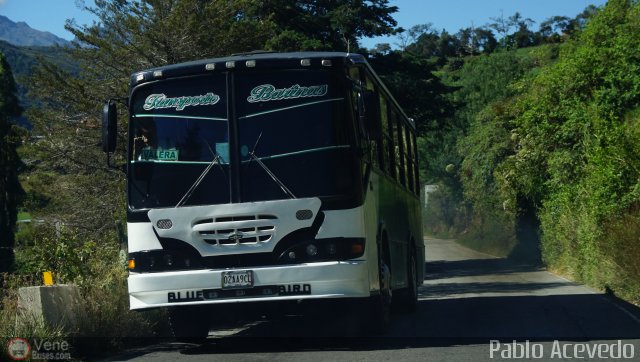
pixel 268 177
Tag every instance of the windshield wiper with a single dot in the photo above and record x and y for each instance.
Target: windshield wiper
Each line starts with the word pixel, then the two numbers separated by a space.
pixel 192 189
pixel 253 156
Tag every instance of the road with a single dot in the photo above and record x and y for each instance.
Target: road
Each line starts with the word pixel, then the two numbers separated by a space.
pixel 468 299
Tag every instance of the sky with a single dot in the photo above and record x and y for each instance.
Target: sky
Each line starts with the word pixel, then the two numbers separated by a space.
pixel 47 15
pixel 452 15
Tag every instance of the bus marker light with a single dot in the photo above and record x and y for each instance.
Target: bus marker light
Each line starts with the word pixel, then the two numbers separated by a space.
pixel 139 77
pixel 210 66
pixel 131 264
pixel 250 63
pixel 157 73
pixel 230 64
pixel 326 62
pixel 305 62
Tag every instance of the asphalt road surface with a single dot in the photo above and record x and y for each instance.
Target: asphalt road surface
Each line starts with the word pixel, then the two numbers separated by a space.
pixel 472 307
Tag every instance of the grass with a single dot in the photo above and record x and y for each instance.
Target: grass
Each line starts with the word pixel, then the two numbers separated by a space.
pixel 98 269
pixel 22 215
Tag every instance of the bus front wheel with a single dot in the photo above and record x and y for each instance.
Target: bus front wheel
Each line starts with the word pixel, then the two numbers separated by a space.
pixel 379 316
pixel 189 324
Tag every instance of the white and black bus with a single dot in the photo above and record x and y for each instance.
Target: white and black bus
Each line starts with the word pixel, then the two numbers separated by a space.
pixel 268 177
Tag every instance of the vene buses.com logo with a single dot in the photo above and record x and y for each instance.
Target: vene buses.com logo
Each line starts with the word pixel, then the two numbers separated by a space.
pixel 18 349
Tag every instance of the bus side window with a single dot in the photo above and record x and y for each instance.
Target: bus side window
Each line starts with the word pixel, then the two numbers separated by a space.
pixel 387 141
pixel 368 83
pixel 354 76
pixel 396 122
pixel 380 145
pixel 416 172
pixel 377 144
pixel 375 147
pixel 408 157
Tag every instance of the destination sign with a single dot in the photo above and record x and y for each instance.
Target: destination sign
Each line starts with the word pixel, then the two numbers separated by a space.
pixel 162 155
pixel 161 101
pixel 267 92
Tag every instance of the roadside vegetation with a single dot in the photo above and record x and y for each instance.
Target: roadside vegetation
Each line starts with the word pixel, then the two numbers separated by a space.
pixel 532 137
pixel 547 163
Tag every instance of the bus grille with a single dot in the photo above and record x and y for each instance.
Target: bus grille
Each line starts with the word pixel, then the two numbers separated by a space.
pixel 235 230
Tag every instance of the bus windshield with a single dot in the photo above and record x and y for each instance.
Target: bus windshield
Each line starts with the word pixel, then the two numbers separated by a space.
pixel 292 130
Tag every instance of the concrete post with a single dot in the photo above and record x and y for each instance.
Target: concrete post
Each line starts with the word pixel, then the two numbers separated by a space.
pixel 57 306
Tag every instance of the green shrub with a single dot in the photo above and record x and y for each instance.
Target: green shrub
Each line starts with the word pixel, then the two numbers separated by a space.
pixel 444 216
pixel 578 156
pixel 98 268
pixel 621 245
pixel 492 233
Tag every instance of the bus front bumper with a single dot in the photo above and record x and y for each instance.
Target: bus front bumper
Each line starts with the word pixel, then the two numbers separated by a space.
pixel 336 279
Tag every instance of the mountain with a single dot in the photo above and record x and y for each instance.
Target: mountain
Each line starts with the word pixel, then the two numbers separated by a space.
pixel 22 34
pixel 22 60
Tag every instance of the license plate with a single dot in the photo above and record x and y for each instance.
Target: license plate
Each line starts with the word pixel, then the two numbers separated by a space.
pixel 237 279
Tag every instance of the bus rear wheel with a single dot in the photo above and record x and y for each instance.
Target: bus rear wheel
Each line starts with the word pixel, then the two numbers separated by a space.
pixel 408 301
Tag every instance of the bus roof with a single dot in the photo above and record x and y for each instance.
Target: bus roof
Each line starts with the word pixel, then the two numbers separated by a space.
pixel 246 60
pixel 257 60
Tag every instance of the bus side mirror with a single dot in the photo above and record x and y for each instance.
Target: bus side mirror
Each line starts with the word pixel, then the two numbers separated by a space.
pixel 372 115
pixel 109 126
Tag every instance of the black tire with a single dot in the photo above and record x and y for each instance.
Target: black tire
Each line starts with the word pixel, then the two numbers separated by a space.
pixel 408 300
pixel 379 312
pixel 189 324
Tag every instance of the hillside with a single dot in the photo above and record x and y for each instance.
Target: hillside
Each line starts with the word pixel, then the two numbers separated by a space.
pixel 21 34
pixel 23 59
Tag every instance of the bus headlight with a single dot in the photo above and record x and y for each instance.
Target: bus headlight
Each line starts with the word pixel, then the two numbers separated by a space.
pixel 168 260
pixel 312 250
pixel 332 249
pixel 161 260
pixel 323 250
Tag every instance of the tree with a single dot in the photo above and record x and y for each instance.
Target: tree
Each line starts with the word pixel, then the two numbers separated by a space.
pixel 486 91
pixel 381 48
pixel 132 35
pixel 128 36
pixel 10 189
pixel 425 44
pixel 553 29
pixel 325 24
pixel 474 41
pixel 420 93
pixel 431 45
pixel 501 25
pixel 412 35
pixel 522 37
pixel 575 133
